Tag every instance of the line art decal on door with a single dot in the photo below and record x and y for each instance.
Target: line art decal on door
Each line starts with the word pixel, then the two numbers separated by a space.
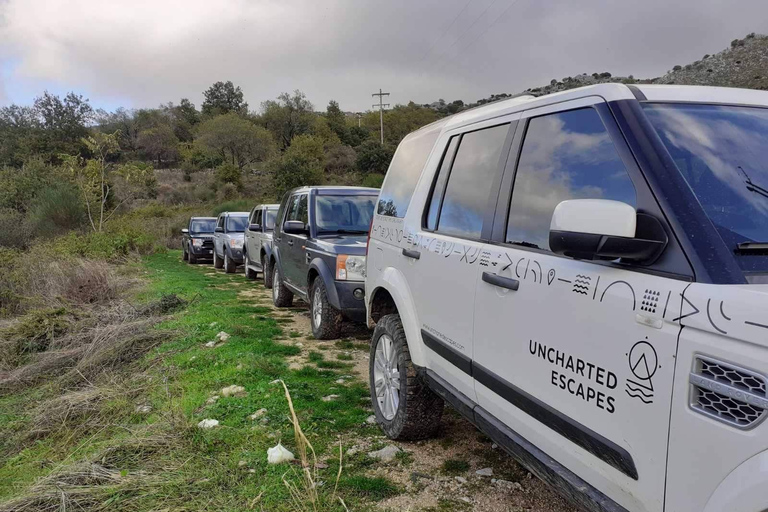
pixel 629 286
pixel 643 363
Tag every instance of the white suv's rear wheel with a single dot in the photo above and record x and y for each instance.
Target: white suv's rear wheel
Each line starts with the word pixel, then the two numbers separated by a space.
pixel 405 407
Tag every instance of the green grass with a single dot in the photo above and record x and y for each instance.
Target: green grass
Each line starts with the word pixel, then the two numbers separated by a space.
pixel 200 470
pixel 455 467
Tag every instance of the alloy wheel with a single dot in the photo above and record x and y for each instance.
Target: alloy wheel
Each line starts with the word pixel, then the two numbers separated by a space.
pixel 386 377
pixel 317 308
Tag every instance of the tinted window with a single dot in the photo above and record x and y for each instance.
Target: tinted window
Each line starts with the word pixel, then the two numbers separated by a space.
pixel 351 214
pixel 404 172
pixel 439 187
pixel 202 226
pixel 269 219
pixel 568 155
pixel 220 222
pixel 470 181
pixel 237 223
pixel 303 211
pixel 293 208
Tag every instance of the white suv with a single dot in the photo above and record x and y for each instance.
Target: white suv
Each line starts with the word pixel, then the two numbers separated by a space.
pixel 584 276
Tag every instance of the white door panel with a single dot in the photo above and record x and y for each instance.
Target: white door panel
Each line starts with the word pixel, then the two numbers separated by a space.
pixel 587 352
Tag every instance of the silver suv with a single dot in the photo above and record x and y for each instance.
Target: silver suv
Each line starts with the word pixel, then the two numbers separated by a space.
pixel 258 242
pixel 228 240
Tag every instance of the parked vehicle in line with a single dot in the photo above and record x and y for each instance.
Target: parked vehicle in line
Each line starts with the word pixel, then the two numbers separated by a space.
pixel 197 239
pixel 228 240
pixel 584 276
pixel 318 253
pixel 258 241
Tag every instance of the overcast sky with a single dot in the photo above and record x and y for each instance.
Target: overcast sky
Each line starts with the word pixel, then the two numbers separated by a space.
pixel 140 53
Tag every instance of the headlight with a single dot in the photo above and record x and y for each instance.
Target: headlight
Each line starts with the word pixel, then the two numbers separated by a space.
pixel 197 242
pixel 236 243
pixel 350 268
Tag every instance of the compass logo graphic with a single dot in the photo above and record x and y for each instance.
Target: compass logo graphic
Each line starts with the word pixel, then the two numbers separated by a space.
pixel 643 362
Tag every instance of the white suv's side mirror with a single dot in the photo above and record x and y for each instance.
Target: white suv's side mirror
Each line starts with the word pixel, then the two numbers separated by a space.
pixel 602 229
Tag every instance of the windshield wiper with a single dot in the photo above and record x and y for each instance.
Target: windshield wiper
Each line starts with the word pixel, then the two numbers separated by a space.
pixel 752 187
pixel 758 247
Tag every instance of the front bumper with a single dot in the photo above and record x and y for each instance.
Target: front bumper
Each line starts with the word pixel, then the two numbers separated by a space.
pixel 202 252
pixel 351 307
pixel 236 255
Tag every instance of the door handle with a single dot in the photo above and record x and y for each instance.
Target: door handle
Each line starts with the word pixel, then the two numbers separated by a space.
pixel 411 254
pixel 290 242
pixel 503 282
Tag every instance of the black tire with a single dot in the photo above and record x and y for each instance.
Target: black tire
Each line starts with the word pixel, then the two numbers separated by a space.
pixel 282 297
pixel 184 254
pixel 191 258
pixel 266 271
pixel 217 262
pixel 230 267
pixel 249 273
pixel 419 409
pixel 330 319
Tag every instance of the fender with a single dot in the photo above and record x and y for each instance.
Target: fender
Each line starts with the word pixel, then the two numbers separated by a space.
pixel 394 282
pixel 743 490
pixel 327 276
pixel 266 249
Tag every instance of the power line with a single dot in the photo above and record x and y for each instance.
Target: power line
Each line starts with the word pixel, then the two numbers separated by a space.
pixel 445 53
pixel 444 32
pixel 481 34
pixel 381 110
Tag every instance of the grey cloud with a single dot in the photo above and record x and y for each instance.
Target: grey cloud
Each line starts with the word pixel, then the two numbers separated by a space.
pixel 148 52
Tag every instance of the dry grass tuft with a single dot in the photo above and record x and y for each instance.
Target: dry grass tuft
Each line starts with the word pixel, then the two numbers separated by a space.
pixel 79 358
pixel 80 281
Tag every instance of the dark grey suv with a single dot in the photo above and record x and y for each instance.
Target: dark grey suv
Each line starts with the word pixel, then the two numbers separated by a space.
pixel 318 253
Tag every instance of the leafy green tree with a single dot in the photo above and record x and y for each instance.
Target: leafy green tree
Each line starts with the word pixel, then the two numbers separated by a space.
pixel 235 140
pixel 336 120
pixel 340 158
pixel 20 186
pixel 224 98
pixel 400 121
pixel 64 122
pixel 20 129
pixel 287 117
pixel 373 157
pixel 301 164
pixel 357 135
pixel 159 143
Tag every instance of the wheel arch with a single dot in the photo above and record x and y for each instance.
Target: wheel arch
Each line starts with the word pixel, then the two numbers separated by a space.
pixel 318 268
pixel 391 289
pixel 743 490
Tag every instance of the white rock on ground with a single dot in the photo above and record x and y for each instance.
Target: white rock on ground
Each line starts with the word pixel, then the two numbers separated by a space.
pixel 258 414
pixel 222 337
pixel 371 420
pixel 340 381
pixel 386 454
pixel 208 423
pixel 484 472
pixel 461 479
pixel 213 324
pixel 233 390
pixel 278 454
pixel 143 409
pixel 330 398
pixel 210 344
pixel 212 400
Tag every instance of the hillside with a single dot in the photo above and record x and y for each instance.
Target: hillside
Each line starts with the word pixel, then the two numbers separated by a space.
pixel 743 64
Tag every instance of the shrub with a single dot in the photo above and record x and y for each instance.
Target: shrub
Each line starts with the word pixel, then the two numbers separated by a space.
pixel 678 67
pixel 55 210
pixel 229 173
pixel 340 159
pixel 13 230
pixel 238 205
pixel 372 156
pixel 227 192
pixel 373 180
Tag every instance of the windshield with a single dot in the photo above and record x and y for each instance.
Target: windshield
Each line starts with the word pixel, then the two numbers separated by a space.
pixel 237 224
pixel 344 214
pixel 202 226
pixel 722 152
pixel 269 219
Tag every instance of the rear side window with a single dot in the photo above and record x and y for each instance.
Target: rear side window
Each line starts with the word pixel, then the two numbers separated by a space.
pixel 469 182
pixel 438 190
pixel 568 155
pixel 404 172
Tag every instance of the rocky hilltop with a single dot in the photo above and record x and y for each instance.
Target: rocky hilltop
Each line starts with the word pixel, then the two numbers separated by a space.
pixel 743 64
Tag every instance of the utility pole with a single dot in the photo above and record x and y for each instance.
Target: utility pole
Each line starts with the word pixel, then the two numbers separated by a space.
pixel 381 110
pixel 359 117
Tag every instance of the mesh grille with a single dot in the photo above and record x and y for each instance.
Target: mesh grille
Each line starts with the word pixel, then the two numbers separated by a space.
pixel 721 406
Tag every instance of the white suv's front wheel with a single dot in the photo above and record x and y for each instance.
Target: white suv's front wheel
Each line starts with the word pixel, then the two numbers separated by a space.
pixel 405 407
